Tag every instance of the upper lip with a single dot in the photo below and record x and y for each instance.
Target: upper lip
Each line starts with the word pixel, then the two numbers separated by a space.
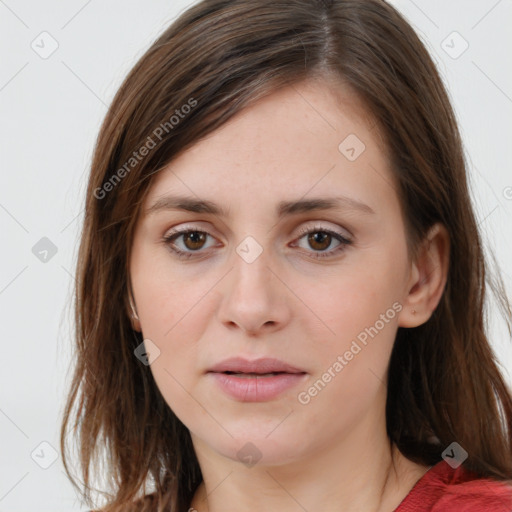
pixel 263 365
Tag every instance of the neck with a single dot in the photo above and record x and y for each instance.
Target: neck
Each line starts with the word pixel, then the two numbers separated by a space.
pixel 361 473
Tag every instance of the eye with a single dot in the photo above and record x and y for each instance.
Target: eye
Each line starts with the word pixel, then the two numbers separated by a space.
pixel 193 240
pixel 320 238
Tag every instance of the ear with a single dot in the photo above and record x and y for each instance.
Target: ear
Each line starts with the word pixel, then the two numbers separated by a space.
pixel 428 277
pixel 132 313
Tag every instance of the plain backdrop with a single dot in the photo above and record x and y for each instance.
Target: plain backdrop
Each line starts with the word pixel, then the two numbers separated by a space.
pixel 51 107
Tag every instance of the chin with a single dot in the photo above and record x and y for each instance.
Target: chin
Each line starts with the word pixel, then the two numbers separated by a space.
pixel 255 447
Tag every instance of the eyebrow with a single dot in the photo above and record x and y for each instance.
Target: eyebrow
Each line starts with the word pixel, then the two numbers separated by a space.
pixel 284 208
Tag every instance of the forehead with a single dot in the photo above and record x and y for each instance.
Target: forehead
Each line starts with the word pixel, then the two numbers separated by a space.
pixel 313 136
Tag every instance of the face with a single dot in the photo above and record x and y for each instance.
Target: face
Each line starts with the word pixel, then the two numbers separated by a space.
pixel 288 243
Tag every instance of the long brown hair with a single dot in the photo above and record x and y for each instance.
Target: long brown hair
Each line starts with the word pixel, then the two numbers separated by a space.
pixel 218 57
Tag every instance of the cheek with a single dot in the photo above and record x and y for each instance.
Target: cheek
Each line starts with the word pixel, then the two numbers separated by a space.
pixel 174 324
pixel 354 298
pixel 173 317
pixel 351 361
pixel 176 380
pixel 359 310
pixel 173 314
pixel 164 295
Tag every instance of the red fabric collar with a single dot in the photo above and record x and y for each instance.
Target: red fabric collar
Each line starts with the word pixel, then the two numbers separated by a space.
pixel 444 489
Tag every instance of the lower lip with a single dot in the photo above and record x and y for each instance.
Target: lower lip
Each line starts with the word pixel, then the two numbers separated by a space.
pixel 257 389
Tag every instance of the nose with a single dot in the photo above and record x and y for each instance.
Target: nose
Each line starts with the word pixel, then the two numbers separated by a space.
pixel 254 297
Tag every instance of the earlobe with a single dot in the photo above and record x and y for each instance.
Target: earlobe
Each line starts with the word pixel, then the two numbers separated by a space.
pixel 428 278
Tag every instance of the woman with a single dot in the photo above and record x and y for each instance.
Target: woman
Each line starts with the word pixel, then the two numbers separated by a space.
pixel 280 283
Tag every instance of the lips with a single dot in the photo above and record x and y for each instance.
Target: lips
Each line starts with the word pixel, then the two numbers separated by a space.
pixel 263 366
pixel 258 380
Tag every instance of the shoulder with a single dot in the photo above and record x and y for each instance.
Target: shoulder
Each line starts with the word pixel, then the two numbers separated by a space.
pixel 476 494
pixel 447 489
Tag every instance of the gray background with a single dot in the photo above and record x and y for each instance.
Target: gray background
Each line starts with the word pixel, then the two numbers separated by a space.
pixel 51 109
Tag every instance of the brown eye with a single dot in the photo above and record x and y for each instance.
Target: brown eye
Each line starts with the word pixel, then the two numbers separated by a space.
pixel 194 240
pixel 319 240
pixel 187 242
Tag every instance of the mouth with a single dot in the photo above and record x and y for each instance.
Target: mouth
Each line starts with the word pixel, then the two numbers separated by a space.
pixel 256 367
pixel 255 381
pixel 253 375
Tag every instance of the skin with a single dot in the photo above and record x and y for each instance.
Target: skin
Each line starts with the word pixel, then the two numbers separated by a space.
pixel 333 452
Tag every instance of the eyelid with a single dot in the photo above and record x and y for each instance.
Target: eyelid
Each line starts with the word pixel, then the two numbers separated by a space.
pixel 183 228
pixel 315 226
pixel 306 228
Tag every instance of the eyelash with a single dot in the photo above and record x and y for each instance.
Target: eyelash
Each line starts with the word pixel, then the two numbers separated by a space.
pixel 344 242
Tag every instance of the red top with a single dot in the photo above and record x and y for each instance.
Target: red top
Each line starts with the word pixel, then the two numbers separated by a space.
pixel 444 489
